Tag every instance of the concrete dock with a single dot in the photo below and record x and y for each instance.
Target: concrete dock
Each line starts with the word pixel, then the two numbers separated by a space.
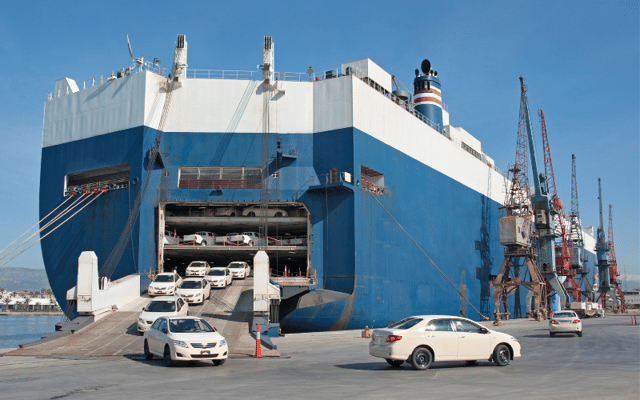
pixel 604 363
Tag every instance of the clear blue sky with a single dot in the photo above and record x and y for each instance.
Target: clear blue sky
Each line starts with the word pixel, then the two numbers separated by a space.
pixel 580 60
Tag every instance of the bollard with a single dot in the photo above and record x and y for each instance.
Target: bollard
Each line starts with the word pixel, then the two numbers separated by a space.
pixel 258 345
pixel 285 271
pixel 633 320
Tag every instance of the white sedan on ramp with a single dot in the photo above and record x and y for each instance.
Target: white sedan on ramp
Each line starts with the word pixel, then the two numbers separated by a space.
pixel 194 290
pixel 239 269
pixel 423 339
pixel 161 306
pixel 184 339
pixel 219 277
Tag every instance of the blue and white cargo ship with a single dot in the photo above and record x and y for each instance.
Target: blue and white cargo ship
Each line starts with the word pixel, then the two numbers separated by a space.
pixel 334 174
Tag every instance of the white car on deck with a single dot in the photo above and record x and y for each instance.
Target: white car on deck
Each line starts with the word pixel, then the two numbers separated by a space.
pixel 239 269
pixel 565 321
pixel 197 268
pixel 423 339
pixel 201 238
pixel 255 211
pixel 164 284
pixel 161 307
pixel 219 277
pixel 184 339
pixel 194 290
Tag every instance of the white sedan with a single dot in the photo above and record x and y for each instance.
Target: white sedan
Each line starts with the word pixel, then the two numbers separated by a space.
pixel 239 269
pixel 197 268
pixel 160 307
pixel 565 321
pixel 219 277
pixel 184 339
pixel 164 284
pixel 255 211
pixel 194 290
pixel 423 339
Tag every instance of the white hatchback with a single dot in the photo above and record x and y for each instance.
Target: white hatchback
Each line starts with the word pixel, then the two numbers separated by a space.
pixel 219 277
pixel 423 339
pixel 194 290
pixel 239 269
pixel 197 268
pixel 164 284
pixel 160 307
pixel 184 339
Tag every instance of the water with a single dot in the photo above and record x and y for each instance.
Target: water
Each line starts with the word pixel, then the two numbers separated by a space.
pixel 17 329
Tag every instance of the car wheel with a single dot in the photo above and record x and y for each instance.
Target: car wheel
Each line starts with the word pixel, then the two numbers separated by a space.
pixel 278 215
pixel 167 356
pixel 394 363
pixel 204 243
pixel 421 358
pixel 147 353
pixel 219 362
pixel 501 355
pixel 552 334
pixel 579 333
pixel 251 214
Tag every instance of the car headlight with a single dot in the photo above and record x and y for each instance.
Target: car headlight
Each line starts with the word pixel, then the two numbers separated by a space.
pixel 223 342
pixel 180 343
pixel 140 320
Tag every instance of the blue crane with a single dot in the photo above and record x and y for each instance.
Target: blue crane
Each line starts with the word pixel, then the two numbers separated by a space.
pixel 602 253
pixel 543 214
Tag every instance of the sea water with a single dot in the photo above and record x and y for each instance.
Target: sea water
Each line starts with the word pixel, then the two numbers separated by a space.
pixel 18 329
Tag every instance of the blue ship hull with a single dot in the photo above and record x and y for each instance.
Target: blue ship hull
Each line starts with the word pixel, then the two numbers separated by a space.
pixel 359 250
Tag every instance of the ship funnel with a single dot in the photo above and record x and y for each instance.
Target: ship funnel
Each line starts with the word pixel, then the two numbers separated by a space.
pixel 427 97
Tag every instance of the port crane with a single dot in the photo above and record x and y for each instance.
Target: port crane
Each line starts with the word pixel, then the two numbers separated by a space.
pixel 613 267
pixel 576 240
pixel 602 253
pixel 563 256
pixel 519 264
pixel 544 213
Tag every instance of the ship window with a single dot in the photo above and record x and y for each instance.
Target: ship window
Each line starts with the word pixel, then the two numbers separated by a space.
pixel 114 177
pixel 220 177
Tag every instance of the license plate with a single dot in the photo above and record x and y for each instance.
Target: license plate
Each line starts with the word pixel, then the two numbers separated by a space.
pixel 205 352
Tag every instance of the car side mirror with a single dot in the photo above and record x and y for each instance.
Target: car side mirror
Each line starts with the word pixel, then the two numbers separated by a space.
pixel 483 330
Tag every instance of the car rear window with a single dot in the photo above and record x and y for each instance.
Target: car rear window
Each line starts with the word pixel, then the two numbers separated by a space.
pixel 405 323
pixel 564 315
pixel 196 264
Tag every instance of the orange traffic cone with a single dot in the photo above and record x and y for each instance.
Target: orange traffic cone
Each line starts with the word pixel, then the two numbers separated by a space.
pixel 258 345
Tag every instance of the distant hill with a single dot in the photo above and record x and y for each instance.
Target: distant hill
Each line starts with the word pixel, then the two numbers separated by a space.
pixel 18 279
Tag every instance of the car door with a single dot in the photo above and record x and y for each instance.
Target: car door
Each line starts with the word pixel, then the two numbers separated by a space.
pixel 439 334
pixel 206 289
pixel 228 277
pixel 472 345
pixel 152 335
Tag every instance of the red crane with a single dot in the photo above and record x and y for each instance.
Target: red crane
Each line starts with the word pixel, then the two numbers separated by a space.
pixel 613 266
pixel 563 256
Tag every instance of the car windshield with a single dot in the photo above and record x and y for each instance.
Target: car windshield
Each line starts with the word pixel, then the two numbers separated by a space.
pixel 216 272
pixel 188 325
pixel 564 315
pixel 161 306
pixel 191 285
pixel 236 265
pixel 163 278
pixel 405 323
pixel 232 234
pixel 196 264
